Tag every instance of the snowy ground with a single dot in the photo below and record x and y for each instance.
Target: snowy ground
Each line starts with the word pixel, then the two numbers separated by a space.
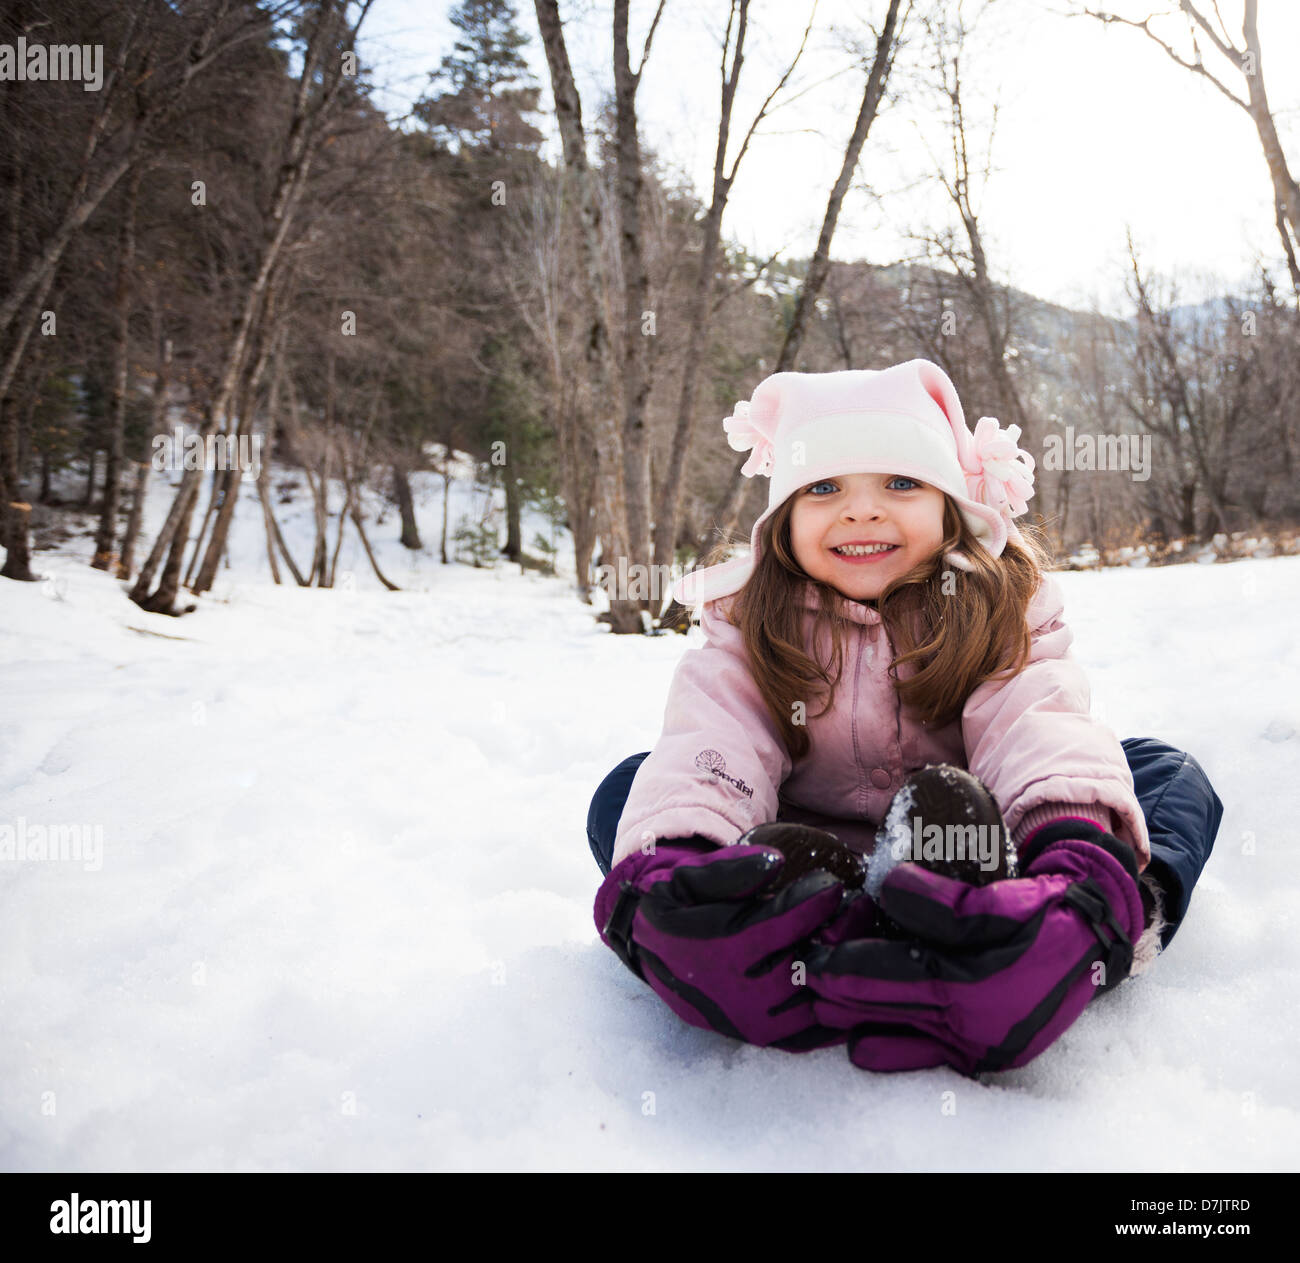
pixel 342 916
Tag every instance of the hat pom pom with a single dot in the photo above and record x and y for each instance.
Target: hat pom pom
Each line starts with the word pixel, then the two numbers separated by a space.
pixel 1003 473
pixel 742 435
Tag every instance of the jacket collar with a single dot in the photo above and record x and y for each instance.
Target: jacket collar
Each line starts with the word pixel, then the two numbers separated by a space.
pixel 854 610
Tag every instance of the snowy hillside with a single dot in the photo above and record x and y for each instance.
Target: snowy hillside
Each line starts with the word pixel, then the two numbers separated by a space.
pixel 342 915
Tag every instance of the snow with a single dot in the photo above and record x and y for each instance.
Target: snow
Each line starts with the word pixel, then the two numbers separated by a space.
pixel 342 916
pixel 893 841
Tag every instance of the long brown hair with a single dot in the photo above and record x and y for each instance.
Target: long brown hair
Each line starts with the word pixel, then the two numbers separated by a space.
pixel 953 629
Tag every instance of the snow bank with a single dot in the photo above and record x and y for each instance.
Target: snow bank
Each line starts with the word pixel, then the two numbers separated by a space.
pixel 342 919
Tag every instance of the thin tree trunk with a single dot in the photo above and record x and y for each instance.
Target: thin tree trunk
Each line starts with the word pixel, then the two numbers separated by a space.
pixel 576 442
pixel 446 499
pixel 157 419
pixel 600 378
pixel 273 529
pixel 217 494
pixel 274 538
pixel 353 508
pixel 406 508
pixel 514 548
pixel 15 511
pixel 668 507
pixel 105 555
pixel 163 600
pixel 319 515
pixel 338 544
pixel 266 335
pixel 181 504
pixel 636 292
pixel 726 513
pixel 1248 61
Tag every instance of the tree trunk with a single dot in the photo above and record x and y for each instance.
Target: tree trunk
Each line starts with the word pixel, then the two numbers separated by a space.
pixel 406 509
pixel 446 500
pixel 636 299
pixel 625 615
pixel 163 600
pixel 244 428
pixel 317 486
pixel 338 544
pixel 274 538
pixel 157 420
pixel 353 508
pixel 670 493
pixel 514 548
pixel 1286 191
pixel 140 591
pixel 216 495
pixel 105 556
pixel 669 503
pixel 727 510
pixel 581 503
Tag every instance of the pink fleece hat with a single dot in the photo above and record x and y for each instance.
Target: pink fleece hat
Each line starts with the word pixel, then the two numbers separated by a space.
pixel 907 420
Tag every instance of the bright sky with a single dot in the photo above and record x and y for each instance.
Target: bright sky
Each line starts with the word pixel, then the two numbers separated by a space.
pixel 1098 131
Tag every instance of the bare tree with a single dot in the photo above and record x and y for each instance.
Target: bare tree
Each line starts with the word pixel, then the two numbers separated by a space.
pixel 542 267
pixel 1176 396
pixel 600 374
pixel 105 556
pixel 636 287
pixel 701 298
pixel 330 39
pixel 1246 60
pixel 723 519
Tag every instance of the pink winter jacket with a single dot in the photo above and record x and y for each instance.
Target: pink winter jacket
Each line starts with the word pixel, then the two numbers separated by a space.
pixel 720 767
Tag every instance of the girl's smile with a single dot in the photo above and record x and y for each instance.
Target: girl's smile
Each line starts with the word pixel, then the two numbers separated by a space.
pixel 857 531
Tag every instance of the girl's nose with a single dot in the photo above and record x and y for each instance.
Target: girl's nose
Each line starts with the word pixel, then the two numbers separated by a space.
pixel 864 503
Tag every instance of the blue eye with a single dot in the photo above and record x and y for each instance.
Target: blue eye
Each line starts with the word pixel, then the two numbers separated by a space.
pixel 896 478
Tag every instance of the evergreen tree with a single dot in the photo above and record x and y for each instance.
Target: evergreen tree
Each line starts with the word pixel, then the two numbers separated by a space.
pixel 489 86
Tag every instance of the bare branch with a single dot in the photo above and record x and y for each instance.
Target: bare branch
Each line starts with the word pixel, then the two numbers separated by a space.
pixel 1194 67
pixel 645 52
pixel 763 110
pixel 1226 47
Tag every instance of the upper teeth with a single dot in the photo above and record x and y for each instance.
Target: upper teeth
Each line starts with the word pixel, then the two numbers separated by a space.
pixel 857 550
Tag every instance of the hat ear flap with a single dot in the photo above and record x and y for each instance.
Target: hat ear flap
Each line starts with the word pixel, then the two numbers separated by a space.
pixel 938 385
pixel 765 406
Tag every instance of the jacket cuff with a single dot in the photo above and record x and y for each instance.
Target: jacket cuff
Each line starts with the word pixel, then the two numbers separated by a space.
pixel 674 822
pixel 1046 813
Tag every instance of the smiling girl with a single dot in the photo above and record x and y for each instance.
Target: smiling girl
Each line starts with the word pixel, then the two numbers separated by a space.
pixel 889 617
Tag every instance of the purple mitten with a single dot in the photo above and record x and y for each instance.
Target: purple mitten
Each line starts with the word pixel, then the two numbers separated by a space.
pixel 992 974
pixel 699 924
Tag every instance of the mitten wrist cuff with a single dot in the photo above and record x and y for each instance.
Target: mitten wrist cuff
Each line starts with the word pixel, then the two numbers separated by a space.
pixel 1047 813
pixel 1080 831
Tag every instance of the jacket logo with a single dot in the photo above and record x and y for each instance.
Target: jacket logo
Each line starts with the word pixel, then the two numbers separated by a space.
pixel 712 762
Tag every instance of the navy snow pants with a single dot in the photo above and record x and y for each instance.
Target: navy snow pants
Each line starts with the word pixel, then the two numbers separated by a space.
pixel 1182 812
